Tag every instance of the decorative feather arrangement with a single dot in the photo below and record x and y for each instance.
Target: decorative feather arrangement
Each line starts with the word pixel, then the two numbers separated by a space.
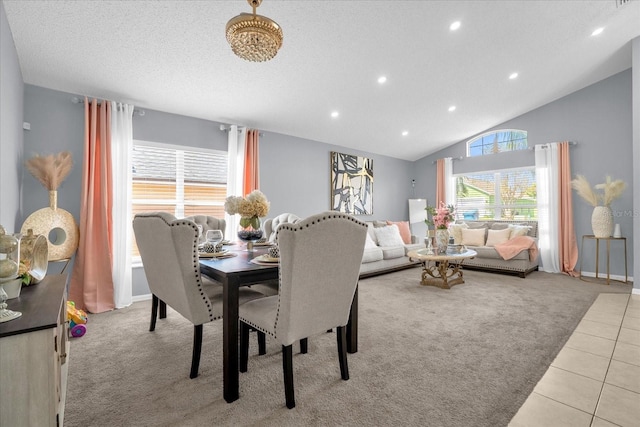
pixel 50 170
pixel 611 190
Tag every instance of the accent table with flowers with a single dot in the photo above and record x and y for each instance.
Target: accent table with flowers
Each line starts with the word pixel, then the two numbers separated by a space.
pixel 443 270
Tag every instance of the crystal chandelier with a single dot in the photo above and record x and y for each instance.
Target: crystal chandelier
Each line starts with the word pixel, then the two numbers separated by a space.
pixel 254 37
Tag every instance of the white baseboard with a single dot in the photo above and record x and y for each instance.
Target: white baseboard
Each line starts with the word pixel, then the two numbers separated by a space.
pixel 137 298
pixel 604 276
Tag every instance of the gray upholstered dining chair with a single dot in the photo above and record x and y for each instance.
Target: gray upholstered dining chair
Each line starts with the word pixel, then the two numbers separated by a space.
pixel 271 225
pixel 169 251
pixel 208 223
pixel 319 267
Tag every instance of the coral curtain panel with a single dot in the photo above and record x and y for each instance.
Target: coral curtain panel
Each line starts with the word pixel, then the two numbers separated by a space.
pixel 91 285
pixel 568 245
pixel 441 186
pixel 251 162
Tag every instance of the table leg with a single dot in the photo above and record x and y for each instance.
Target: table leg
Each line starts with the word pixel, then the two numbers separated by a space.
pixel 608 248
pixel 231 376
pixel 352 326
pixel 597 257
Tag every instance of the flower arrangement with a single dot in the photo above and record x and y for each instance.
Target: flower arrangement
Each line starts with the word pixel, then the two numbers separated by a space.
pixel 23 272
pixel 250 208
pixel 441 217
pixel 609 190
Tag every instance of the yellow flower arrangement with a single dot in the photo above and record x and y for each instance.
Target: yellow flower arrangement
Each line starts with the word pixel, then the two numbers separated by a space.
pixel 250 208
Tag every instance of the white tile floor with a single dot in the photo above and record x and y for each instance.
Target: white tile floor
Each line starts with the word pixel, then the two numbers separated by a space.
pixel 595 379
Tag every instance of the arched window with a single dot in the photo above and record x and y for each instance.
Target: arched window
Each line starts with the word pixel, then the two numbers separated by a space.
pixel 497 141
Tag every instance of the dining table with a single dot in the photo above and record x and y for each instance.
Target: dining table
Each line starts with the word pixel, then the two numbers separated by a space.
pixel 239 270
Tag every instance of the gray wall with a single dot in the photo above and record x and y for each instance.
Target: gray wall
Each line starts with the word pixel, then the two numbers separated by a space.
pixel 11 136
pixel 599 119
pixel 636 159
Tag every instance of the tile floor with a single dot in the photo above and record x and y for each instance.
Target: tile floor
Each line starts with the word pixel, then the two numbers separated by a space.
pixel 595 379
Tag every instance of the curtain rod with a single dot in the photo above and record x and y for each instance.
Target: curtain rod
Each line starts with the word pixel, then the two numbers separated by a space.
pixel 547 145
pixel 226 128
pixel 452 159
pixel 137 111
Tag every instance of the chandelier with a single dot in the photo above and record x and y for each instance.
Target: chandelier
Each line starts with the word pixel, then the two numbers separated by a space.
pixel 254 37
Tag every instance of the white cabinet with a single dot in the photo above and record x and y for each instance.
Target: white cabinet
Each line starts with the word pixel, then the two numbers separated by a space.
pixel 33 355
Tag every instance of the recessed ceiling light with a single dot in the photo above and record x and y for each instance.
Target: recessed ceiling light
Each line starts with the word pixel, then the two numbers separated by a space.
pixel 335 114
pixel 513 76
pixel 452 108
pixel 454 26
pixel 405 132
pixel 382 79
pixel 597 31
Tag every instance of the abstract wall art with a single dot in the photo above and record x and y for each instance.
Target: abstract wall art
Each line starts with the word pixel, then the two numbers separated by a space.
pixel 351 184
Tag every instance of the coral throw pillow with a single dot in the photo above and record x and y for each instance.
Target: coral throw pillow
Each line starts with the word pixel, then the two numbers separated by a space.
pixel 473 236
pixel 405 231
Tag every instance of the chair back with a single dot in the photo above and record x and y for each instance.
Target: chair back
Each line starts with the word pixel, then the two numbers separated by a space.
pixel 169 251
pixel 208 223
pixel 320 260
pixel 271 225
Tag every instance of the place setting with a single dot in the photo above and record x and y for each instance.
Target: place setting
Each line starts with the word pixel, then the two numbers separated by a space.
pixel 213 247
pixel 270 258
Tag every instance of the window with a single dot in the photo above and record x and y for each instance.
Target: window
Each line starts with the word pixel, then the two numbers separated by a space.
pixel 505 194
pixel 183 181
pixel 498 142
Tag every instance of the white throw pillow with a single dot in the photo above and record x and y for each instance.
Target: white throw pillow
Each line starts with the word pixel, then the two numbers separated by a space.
pixel 456 232
pixel 498 236
pixel 473 236
pixel 388 236
pixel 519 230
pixel 369 243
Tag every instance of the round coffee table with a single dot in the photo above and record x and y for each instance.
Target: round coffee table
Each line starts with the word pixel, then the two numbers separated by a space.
pixel 441 270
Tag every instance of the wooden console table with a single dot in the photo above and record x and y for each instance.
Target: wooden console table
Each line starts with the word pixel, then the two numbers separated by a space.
pixel 33 353
pixel 608 240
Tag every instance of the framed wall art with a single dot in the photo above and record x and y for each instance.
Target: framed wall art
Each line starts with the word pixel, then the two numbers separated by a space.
pixel 351 184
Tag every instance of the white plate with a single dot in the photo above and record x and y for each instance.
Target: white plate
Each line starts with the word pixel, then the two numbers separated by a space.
pixel 213 254
pixel 267 258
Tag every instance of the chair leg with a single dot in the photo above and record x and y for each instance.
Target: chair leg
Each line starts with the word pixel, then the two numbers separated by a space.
pixel 262 343
pixel 197 348
pixel 303 345
pixel 287 369
pixel 342 352
pixel 154 312
pixel 244 346
pixel 163 309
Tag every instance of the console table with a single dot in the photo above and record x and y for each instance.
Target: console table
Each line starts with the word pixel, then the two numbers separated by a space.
pixel 608 240
pixel 33 353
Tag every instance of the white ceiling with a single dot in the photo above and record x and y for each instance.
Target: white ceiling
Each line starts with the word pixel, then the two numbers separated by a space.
pixel 173 56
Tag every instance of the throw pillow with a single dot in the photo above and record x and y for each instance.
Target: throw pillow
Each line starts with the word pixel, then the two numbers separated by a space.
pixel 369 243
pixel 405 231
pixel 377 223
pixel 498 236
pixel 519 230
pixel 456 232
pixel 473 236
pixel 388 236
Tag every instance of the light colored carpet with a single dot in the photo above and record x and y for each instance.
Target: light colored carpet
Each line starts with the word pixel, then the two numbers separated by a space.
pixel 468 356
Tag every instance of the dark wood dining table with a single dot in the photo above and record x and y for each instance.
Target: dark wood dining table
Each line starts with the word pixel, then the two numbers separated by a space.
pixel 238 271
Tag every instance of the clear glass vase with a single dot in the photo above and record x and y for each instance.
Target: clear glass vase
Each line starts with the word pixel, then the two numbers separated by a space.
pixel 250 233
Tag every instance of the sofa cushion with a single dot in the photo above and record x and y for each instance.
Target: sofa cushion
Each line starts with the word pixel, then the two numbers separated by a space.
pixel 388 236
pixel 405 231
pixel 491 253
pixel 473 236
pixel 413 247
pixel 519 230
pixel 372 254
pixel 369 242
pixel 390 252
pixel 495 237
pixel 456 232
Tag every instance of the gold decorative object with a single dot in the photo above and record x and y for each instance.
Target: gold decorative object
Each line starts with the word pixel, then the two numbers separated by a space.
pixel 57 225
pixel 34 252
pixel 254 37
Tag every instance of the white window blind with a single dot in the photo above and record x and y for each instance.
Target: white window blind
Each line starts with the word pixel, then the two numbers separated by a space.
pixel 183 182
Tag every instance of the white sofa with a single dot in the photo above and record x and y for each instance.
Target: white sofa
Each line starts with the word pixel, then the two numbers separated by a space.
pixel 386 251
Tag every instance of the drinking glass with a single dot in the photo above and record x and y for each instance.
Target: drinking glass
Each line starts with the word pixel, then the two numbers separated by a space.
pixel 214 236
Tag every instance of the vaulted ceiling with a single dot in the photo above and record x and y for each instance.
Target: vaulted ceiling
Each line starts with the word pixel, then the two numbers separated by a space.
pixel 173 56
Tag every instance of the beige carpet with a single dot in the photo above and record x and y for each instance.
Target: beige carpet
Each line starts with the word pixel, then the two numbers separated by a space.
pixel 468 356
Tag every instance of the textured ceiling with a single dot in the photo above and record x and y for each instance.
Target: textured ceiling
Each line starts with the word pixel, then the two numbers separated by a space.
pixel 173 56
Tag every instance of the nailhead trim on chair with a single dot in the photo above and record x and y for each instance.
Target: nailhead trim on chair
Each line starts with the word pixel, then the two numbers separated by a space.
pixel 196 265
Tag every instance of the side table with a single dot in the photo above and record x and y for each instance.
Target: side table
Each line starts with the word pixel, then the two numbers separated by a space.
pixel 608 240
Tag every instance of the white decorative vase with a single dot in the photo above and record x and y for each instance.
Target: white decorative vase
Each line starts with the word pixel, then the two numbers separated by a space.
pixel 602 221
pixel 442 240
